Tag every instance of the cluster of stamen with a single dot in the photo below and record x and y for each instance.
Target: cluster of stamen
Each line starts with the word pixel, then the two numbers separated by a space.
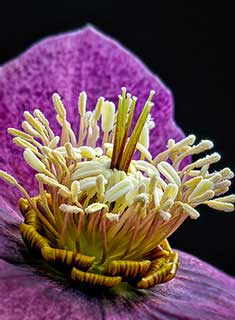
pixel 105 206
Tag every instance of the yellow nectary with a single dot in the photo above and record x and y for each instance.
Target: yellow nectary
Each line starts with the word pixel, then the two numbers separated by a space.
pixel 102 215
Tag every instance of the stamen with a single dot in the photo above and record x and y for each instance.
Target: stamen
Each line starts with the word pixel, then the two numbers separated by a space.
pixel 25 144
pixel 201 188
pixel 34 122
pixel 102 215
pixel 34 162
pixel 54 142
pixel 40 116
pixel 118 190
pixel 8 178
pixel 82 110
pixel 169 172
pixel 20 134
pixel 194 214
pixel 30 130
pixel 219 205
pixel 75 190
pixel 94 207
pixel 108 116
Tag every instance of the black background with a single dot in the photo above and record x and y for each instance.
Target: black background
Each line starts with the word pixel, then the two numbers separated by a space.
pixel 189 46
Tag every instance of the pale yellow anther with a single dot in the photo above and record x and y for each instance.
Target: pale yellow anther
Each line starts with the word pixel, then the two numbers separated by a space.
pixel 38 114
pixel 188 141
pixel 157 196
pixel 108 116
pixel 132 194
pixel 94 207
pixel 33 161
pixel 193 182
pixel 30 130
pixel 222 184
pixel 70 209
pixel 118 190
pixel 167 205
pixel 201 147
pixel 25 144
pixel 100 184
pixel 229 198
pixel 144 151
pixel 8 178
pixel 201 188
pixel 54 142
pixel 20 134
pixel 220 206
pixel 113 217
pixel 193 213
pixel 216 177
pixel 221 191
pixel 75 190
pixel 165 215
pixel 98 108
pixel 153 182
pixel 59 107
pixel 170 192
pixel 87 152
pixel 146 167
pixel 169 172
pixel 194 173
pixel 65 192
pixel 70 151
pixel 142 198
pixel 47 180
pixel 35 123
pixel 204 170
pixel 81 173
pixel 213 158
pixel 207 195
pixel 227 173
pixel 47 151
pixel 82 103
pixel 87 183
pixel 59 158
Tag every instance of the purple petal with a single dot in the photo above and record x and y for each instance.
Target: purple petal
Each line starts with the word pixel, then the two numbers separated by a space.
pixel 30 289
pixel 198 292
pixel 11 244
pixel 83 60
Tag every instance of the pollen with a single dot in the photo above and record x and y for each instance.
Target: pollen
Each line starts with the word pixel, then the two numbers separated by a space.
pixel 105 206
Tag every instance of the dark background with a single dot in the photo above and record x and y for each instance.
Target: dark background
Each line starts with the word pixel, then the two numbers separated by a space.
pixel 189 46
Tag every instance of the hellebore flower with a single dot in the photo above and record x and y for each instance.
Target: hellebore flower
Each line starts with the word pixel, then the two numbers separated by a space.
pixel 90 240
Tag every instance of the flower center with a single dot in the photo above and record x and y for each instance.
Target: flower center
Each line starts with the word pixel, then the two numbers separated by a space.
pixel 105 206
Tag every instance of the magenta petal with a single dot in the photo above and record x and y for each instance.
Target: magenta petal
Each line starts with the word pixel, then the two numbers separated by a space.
pixel 198 292
pixel 83 60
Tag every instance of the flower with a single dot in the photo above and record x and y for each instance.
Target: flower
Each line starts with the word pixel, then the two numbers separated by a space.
pixel 102 213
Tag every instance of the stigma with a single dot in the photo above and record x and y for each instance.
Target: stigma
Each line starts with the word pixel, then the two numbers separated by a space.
pixel 105 205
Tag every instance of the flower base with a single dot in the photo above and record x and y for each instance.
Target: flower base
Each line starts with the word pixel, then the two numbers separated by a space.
pixel 160 267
